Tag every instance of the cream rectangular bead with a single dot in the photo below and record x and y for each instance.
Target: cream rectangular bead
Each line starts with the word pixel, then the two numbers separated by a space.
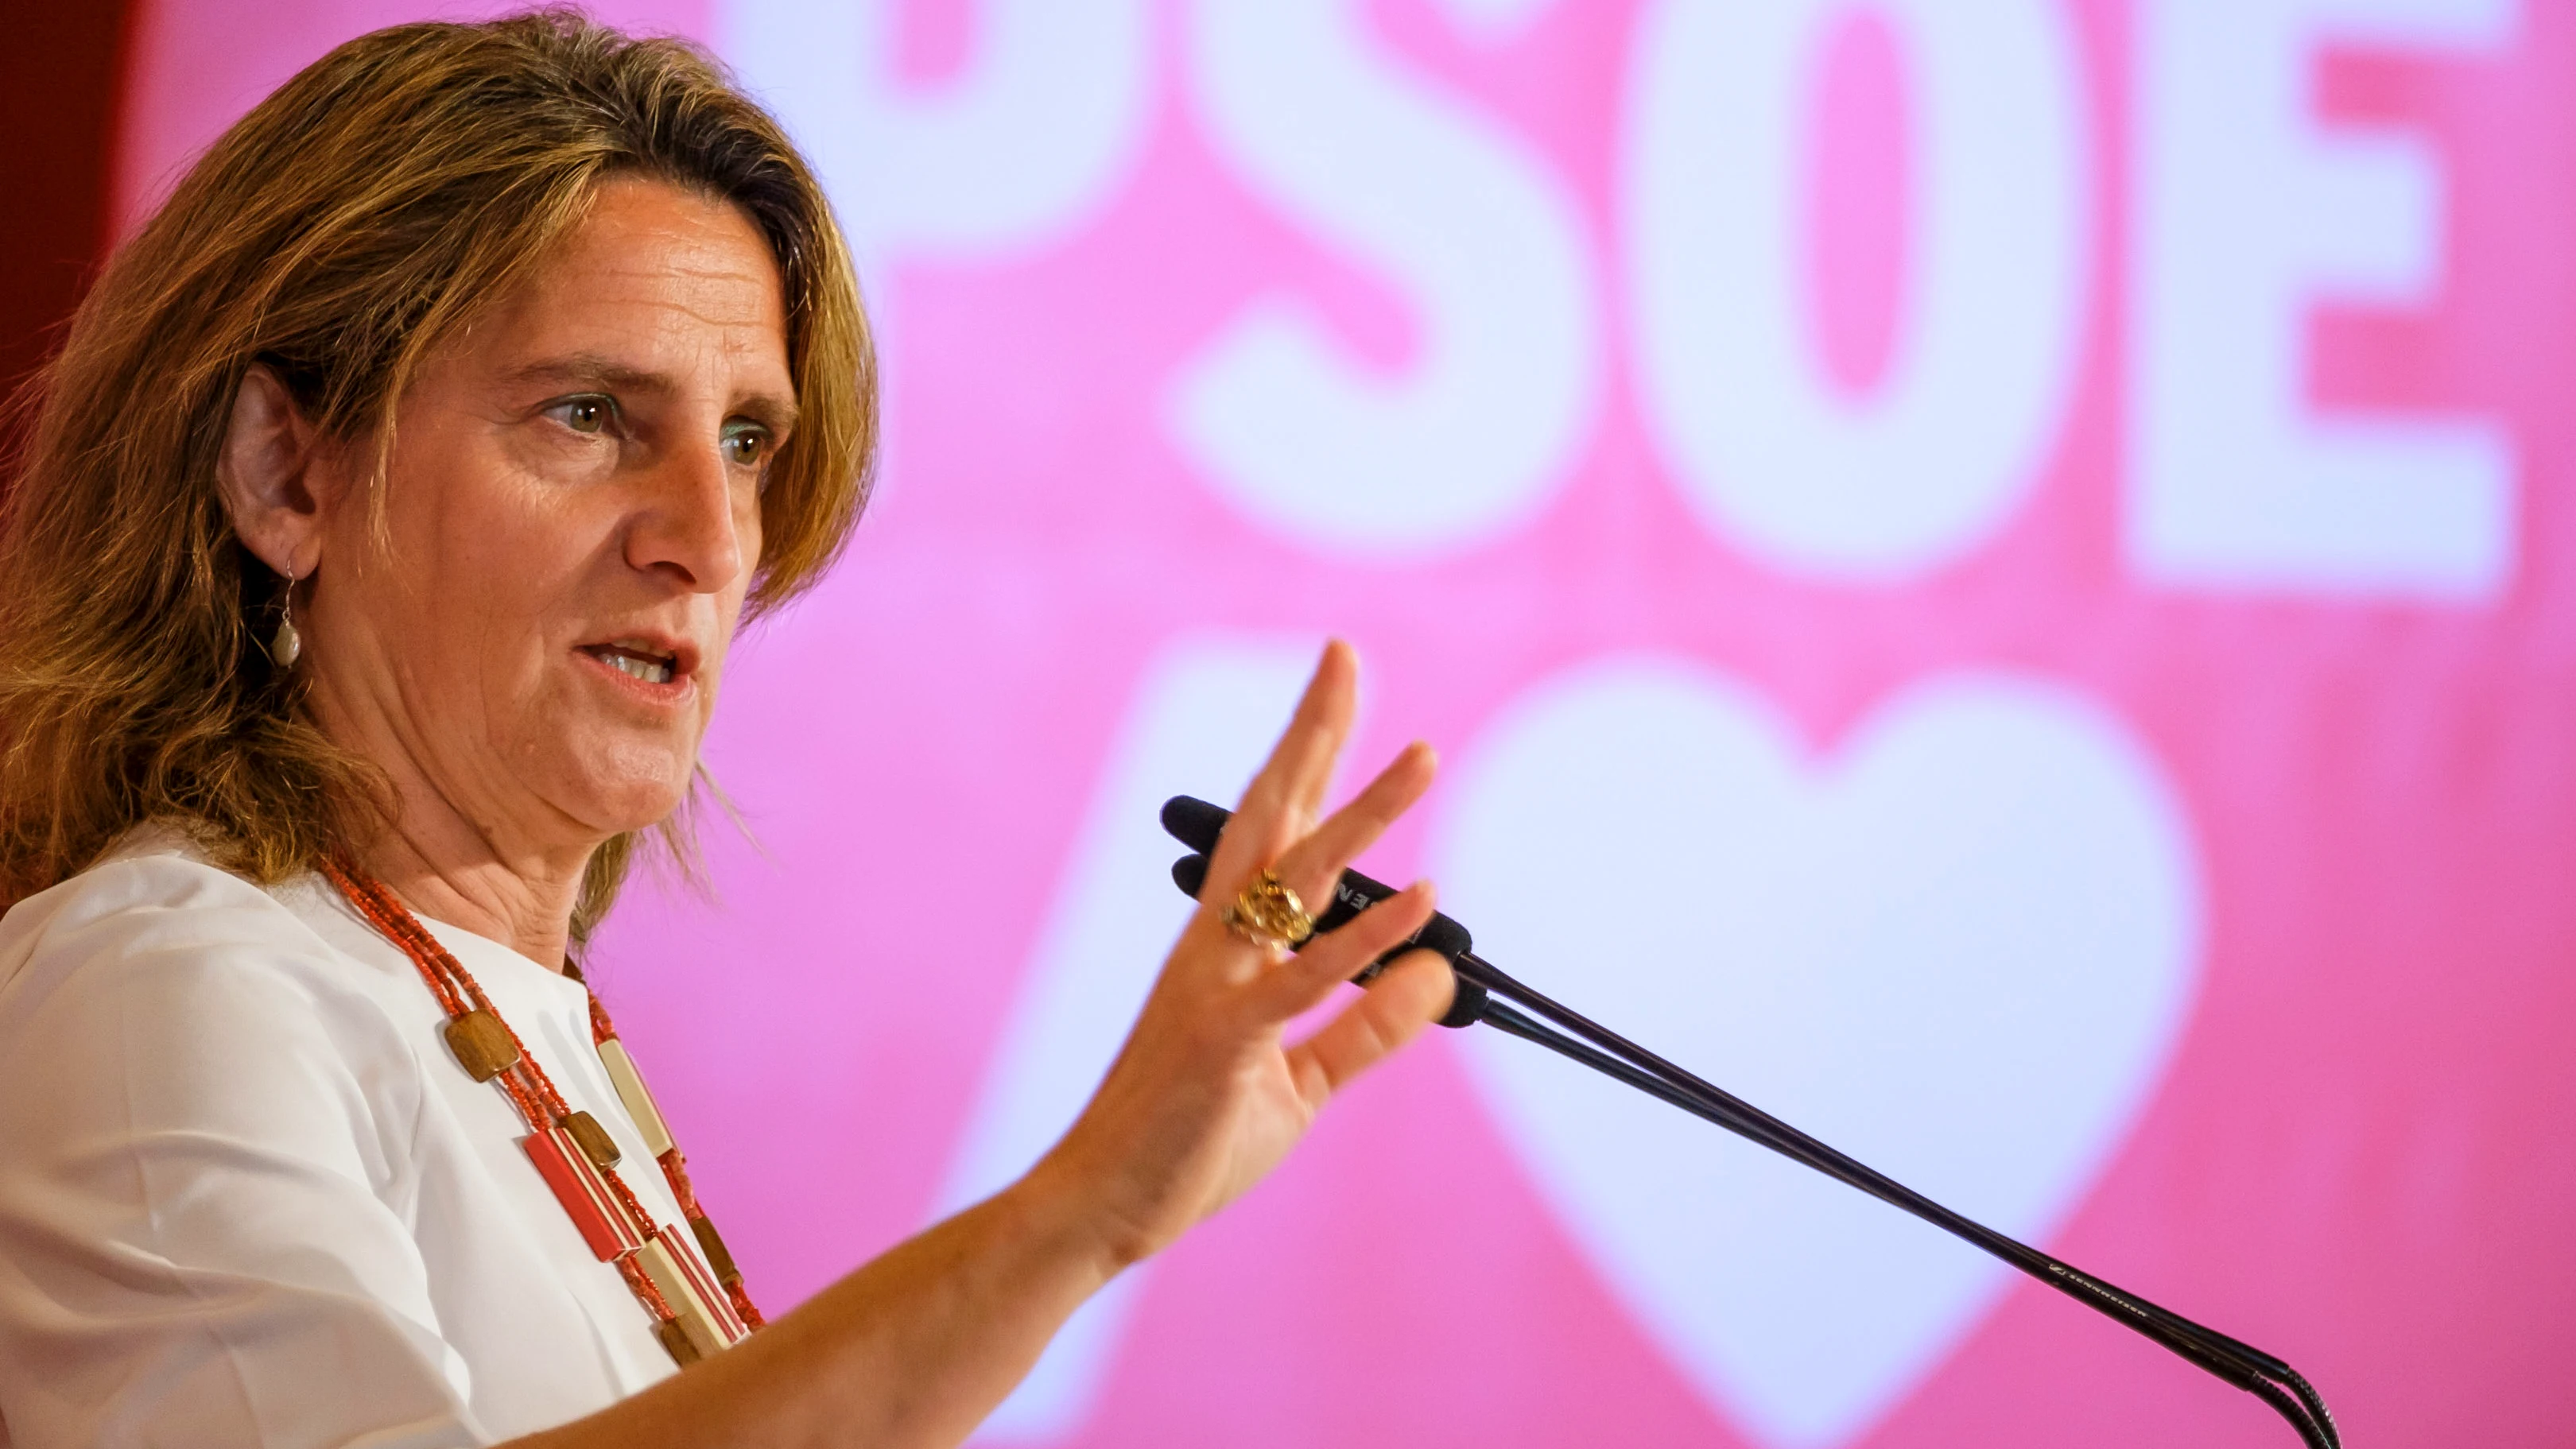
pixel 696 1319
pixel 631 1091
pixel 728 1323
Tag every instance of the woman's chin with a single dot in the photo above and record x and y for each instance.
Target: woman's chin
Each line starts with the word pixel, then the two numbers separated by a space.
pixel 640 814
pixel 627 802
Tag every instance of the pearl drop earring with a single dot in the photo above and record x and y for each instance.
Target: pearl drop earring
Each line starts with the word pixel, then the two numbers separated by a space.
pixel 287 644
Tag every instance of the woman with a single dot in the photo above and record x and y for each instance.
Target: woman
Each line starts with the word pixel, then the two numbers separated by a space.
pixel 370 578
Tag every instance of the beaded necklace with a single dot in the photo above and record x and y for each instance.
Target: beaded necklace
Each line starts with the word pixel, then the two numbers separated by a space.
pixel 692 1291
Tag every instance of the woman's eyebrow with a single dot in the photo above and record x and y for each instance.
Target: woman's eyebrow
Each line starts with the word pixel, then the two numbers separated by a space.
pixel 778 414
pixel 589 369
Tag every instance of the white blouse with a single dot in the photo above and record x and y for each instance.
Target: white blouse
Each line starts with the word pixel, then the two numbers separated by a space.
pixel 248 1198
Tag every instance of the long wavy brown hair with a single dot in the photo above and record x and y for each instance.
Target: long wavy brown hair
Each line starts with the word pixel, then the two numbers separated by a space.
pixel 337 235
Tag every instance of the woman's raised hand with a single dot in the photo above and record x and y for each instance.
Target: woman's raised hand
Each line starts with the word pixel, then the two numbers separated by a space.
pixel 916 1346
pixel 1207 1095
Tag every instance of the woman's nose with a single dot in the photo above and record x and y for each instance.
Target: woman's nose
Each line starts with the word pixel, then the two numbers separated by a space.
pixel 688 524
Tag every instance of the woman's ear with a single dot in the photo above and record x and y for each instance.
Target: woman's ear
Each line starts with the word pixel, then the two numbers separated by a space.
pixel 269 475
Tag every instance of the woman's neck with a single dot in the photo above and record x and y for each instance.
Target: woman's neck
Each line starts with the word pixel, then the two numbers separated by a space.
pixel 458 851
pixel 525 905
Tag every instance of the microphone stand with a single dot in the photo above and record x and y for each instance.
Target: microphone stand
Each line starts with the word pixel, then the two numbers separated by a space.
pixel 1488 994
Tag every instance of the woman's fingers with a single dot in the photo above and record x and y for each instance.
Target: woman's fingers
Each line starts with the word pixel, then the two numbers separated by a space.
pixel 1305 979
pixel 1307 754
pixel 1283 798
pixel 1413 993
pixel 1271 828
pixel 1312 865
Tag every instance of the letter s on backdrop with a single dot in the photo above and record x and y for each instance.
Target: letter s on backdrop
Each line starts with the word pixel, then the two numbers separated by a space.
pixel 1471 226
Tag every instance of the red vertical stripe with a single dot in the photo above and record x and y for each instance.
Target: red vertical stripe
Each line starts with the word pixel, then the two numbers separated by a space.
pixel 62 72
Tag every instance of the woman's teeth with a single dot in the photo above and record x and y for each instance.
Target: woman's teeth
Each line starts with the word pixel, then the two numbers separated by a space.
pixel 650 671
pixel 635 660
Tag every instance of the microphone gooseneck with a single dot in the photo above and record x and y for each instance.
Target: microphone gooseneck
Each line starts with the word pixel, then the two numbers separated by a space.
pixel 1486 993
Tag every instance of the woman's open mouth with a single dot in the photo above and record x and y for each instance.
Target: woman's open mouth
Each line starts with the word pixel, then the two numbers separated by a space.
pixel 636 659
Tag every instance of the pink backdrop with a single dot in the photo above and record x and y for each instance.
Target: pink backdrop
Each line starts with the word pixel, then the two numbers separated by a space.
pixel 1996 576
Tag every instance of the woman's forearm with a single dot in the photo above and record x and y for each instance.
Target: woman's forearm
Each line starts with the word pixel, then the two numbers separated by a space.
pixel 913 1349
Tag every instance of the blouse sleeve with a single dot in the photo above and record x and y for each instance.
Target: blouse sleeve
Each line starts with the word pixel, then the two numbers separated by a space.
pixel 203 1184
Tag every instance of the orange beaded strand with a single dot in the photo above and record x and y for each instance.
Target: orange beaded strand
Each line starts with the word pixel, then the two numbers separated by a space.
pixel 543 1107
pixel 675 1170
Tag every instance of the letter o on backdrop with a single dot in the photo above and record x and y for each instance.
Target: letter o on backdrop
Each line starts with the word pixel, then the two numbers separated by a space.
pixel 1933 459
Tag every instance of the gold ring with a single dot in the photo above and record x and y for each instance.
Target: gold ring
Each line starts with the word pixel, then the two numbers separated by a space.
pixel 1268 913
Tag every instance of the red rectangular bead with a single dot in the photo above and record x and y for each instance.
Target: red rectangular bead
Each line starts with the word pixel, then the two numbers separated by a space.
pixel 583 1192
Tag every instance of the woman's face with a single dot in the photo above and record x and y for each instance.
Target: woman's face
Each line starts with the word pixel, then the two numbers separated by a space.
pixel 571 520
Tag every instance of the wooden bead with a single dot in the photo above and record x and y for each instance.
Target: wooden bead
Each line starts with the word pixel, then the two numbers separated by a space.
pixel 483 1046
pixel 718 1259
pixel 595 1142
pixel 692 1312
pixel 675 1342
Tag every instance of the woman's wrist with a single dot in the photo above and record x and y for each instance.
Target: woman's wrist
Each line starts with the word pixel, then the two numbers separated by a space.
pixel 1063 1207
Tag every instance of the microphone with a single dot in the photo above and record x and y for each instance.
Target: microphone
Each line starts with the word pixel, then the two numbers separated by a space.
pixel 1485 993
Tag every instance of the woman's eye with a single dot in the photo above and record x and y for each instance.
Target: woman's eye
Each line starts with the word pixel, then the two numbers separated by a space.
pixel 584 414
pixel 748 447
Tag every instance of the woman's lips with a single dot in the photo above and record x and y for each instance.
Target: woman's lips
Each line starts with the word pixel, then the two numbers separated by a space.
pixel 636 660
pixel 642 670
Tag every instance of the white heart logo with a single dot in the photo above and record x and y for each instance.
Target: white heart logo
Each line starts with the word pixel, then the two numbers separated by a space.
pixel 1959 948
